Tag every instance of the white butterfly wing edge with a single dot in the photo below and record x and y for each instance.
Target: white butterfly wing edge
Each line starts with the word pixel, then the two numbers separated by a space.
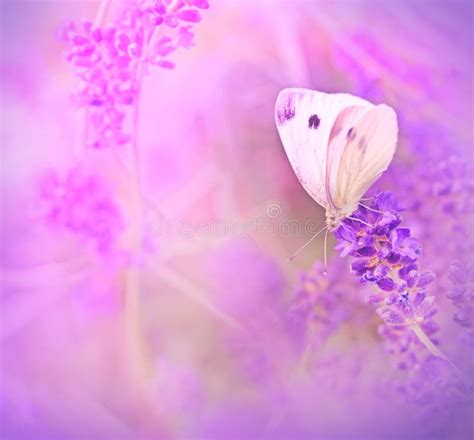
pixel 307 146
pixel 366 155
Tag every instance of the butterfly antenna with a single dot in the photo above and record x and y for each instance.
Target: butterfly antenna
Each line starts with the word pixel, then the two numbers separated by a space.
pixel 307 243
pixel 325 253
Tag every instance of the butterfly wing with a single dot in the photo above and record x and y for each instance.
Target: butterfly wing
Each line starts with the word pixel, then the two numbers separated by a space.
pixel 359 153
pixel 305 119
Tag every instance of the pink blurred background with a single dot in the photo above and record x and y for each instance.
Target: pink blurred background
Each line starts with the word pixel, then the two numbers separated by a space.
pixel 201 349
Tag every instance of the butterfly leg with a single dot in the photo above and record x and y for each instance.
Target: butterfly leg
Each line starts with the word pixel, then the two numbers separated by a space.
pixel 325 252
pixel 370 209
pixel 361 221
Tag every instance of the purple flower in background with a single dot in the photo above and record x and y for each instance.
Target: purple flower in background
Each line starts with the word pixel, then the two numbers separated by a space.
pixel 424 384
pixel 248 285
pixel 320 304
pixel 462 296
pixel 111 60
pixel 438 197
pixel 80 203
pixel 369 81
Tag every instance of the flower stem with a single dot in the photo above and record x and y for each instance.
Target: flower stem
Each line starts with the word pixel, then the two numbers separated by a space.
pixel 101 12
pixel 133 327
pixel 184 286
pixel 433 349
pixel 427 342
pixel 132 312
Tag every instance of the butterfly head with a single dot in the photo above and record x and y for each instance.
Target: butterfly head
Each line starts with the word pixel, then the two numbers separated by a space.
pixel 333 219
pixel 335 216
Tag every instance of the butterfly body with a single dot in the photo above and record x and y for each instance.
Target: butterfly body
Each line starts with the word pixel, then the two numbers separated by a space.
pixel 338 145
pixel 336 216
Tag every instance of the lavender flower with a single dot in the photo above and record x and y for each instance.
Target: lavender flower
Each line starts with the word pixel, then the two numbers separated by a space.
pixel 111 60
pixel 462 296
pixel 439 395
pixel 386 255
pixel 80 203
pixel 320 305
pixel 441 189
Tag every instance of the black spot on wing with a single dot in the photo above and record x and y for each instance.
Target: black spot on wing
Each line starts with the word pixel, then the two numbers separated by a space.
pixel 351 134
pixel 314 121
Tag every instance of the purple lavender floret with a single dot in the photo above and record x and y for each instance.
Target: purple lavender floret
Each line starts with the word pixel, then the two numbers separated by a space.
pixel 386 255
pixel 319 306
pixel 81 203
pixel 462 294
pixel 110 60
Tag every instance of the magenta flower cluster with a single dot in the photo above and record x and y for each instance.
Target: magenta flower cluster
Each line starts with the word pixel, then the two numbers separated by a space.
pixel 80 203
pixel 386 255
pixel 111 60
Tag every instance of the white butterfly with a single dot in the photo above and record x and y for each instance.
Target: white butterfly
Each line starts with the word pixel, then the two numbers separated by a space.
pixel 338 145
